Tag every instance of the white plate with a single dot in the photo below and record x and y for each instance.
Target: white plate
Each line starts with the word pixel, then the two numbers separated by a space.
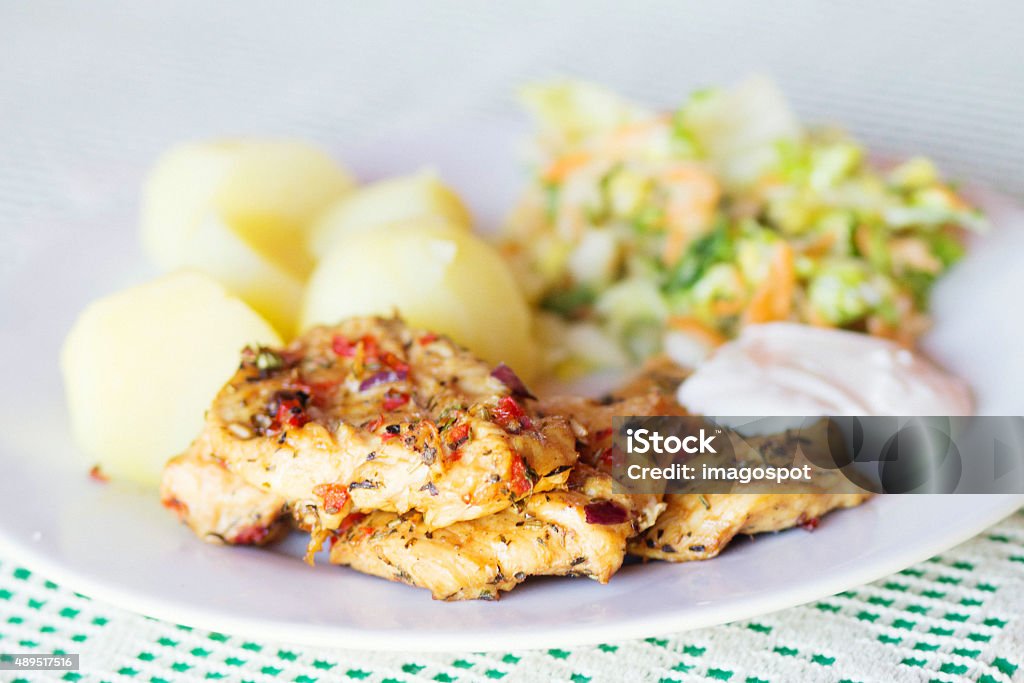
pixel 117 544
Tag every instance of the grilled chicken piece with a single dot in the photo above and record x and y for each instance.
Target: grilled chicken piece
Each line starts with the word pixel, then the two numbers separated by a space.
pixel 304 427
pixel 650 392
pixel 697 527
pixel 592 419
pixel 693 527
pixel 218 505
pixel 373 415
pixel 581 531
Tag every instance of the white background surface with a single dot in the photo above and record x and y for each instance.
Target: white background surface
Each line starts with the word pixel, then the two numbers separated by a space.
pixel 90 92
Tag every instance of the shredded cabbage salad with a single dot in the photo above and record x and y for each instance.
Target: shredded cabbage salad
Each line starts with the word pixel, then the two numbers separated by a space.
pixel 723 213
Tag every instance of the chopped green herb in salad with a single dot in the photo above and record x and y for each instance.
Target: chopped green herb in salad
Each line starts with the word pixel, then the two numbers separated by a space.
pixel 724 213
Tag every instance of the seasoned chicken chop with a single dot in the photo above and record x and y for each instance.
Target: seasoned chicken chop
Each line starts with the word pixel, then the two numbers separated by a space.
pixel 580 531
pixel 692 527
pixel 592 419
pixel 699 527
pixel 577 526
pixel 218 505
pixel 373 415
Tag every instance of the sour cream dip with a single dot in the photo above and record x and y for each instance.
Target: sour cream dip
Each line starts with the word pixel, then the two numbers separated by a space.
pixel 791 369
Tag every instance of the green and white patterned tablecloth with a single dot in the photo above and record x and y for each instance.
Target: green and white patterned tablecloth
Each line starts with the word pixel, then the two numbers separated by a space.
pixel 956 617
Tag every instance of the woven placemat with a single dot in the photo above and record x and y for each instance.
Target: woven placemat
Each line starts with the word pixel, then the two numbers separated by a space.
pixel 957 617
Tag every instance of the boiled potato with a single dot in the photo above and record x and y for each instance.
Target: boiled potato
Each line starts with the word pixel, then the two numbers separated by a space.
pixel 394 201
pixel 178 192
pixel 444 280
pixel 141 367
pixel 260 197
pixel 273 292
pixel 275 193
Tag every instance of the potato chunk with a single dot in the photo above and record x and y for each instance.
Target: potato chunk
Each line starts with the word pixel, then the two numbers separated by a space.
pixel 241 211
pixel 438 279
pixel 141 367
pixel 395 201
pixel 217 250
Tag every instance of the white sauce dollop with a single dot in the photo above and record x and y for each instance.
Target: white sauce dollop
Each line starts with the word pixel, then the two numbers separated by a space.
pixel 791 369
